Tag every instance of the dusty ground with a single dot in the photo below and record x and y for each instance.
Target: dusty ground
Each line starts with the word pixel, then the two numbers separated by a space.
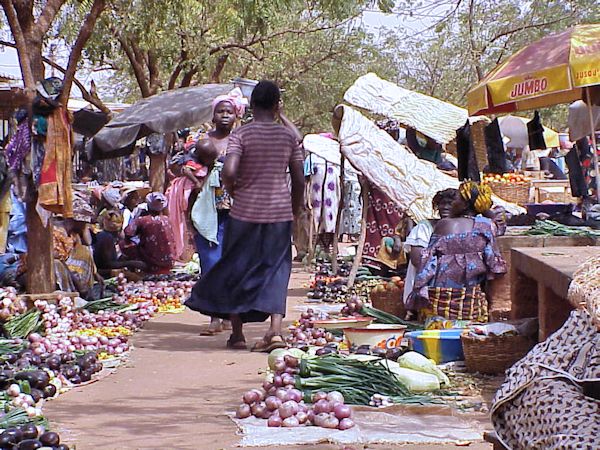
pixel 174 391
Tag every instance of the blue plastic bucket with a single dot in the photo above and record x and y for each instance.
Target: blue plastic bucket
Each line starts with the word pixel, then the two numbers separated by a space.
pixel 440 345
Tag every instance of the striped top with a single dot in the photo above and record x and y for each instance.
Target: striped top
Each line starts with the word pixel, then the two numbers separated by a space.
pixel 262 193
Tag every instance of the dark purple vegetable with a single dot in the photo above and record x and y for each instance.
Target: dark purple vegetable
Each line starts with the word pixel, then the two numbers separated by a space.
pixel 29 431
pixel 7 440
pixel 61 447
pixel 29 444
pixel 37 395
pixel 53 362
pixel 11 358
pixel 76 379
pixel 85 375
pixel 49 391
pixel 50 439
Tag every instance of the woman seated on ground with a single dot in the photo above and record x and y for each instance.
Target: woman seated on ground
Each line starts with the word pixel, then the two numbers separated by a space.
pixel 462 254
pixel 551 398
pixel 156 245
pixel 106 252
pixel 418 238
pixel 80 261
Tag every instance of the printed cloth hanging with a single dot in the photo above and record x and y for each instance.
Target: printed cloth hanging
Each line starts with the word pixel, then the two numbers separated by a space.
pixel 55 192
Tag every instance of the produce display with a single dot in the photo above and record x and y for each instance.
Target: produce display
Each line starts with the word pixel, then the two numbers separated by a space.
pixel 303 332
pixel 59 342
pixel 552 228
pixel 507 178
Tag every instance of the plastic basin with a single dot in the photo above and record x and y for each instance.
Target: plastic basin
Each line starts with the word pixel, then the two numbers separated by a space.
pixel 440 345
pixel 376 335
pixel 343 323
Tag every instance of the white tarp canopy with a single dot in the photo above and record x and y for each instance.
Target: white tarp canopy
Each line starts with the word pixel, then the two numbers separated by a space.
pixel 434 118
pixel 326 148
pixel 409 181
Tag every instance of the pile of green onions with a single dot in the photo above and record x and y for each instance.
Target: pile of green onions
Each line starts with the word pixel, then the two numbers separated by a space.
pixel 357 380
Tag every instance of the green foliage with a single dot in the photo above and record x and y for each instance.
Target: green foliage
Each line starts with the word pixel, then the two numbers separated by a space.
pixel 448 59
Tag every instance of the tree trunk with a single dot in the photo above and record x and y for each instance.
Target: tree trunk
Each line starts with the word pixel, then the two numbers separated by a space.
pixel 158 169
pixel 40 248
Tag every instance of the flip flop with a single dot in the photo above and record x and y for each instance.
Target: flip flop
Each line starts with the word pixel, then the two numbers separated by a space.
pixel 267 347
pixel 211 331
pixel 237 345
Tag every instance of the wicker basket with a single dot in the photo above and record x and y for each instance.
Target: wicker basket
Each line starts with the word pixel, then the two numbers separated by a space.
pixel 518 193
pixel 494 354
pixel 391 302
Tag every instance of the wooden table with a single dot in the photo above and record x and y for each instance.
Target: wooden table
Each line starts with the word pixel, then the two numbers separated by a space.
pixel 540 279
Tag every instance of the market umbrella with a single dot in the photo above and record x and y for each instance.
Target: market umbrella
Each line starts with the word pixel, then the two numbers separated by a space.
pixel 559 68
pixel 162 113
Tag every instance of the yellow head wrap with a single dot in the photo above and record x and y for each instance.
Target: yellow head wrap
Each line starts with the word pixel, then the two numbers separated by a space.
pixel 111 220
pixel 478 195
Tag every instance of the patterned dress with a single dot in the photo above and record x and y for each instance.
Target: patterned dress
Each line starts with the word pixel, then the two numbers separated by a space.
pixel 157 244
pixel 325 194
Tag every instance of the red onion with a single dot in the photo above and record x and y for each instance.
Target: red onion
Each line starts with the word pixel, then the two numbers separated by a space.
pixel 34 337
pixel 291 422
pixel 310 416
pixel 279 365
pixel 266 385
pixel 319 419
pixel 261 394
pixel 330 422
pixel 273 403
pixel 281 394
pixel 322 406
pixel 302 417
pixel 251 397
pixel 243 411
pixel 335 396
pixel 274 421
pixel 342 411
pixel 277 380
pixel 288 409
pixel 319 396
pixel 293 394
pixel 346 424
pixel 258 409
pixel 290 361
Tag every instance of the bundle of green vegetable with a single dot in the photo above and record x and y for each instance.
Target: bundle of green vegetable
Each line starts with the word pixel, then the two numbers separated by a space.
pixel 104 304
pixel 552 228
pixel 357 380
pixel 387 318
pixel 23 325
pixel 9 346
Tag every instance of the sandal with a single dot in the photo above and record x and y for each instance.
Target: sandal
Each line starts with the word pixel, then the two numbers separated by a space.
pixel 267 346
pixel 236 345
pixel 212 329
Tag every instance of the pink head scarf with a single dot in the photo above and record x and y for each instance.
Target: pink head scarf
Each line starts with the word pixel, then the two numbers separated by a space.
pixel 235 98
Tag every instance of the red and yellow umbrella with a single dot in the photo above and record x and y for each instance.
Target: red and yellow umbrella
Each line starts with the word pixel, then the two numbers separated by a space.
pixel 548 72
pixel 559 68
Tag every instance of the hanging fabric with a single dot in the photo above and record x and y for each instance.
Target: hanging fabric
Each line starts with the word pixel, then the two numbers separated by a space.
pixel 496 154
pixel 468 169
pixel 55 191
pixel 535 132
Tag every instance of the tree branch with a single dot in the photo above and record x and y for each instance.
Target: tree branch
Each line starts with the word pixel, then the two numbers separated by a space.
pixel 87 95
pixel 21 44
pixel 216 73
pixel 47 16
pixel 84 35
pixel 138 69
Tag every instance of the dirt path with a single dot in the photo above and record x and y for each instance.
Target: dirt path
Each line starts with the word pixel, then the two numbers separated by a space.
pixel 173 392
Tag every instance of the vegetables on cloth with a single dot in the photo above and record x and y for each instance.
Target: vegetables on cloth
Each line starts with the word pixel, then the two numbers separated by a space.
pixel 418 362
pixel 552 228
pixel 415 381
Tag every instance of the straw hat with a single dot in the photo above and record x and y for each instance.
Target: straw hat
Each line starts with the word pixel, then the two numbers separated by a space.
pixel 584 291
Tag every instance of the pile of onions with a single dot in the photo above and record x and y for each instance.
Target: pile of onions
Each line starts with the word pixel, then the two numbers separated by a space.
pixel 353 306
pixel 10 305
pixel 305 333
pixel 282 405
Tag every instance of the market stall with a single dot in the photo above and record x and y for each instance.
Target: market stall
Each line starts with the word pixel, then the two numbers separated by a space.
pixel 540 279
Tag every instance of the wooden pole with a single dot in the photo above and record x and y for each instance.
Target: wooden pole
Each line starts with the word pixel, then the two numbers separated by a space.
pixel 364 187
pixel 338 223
